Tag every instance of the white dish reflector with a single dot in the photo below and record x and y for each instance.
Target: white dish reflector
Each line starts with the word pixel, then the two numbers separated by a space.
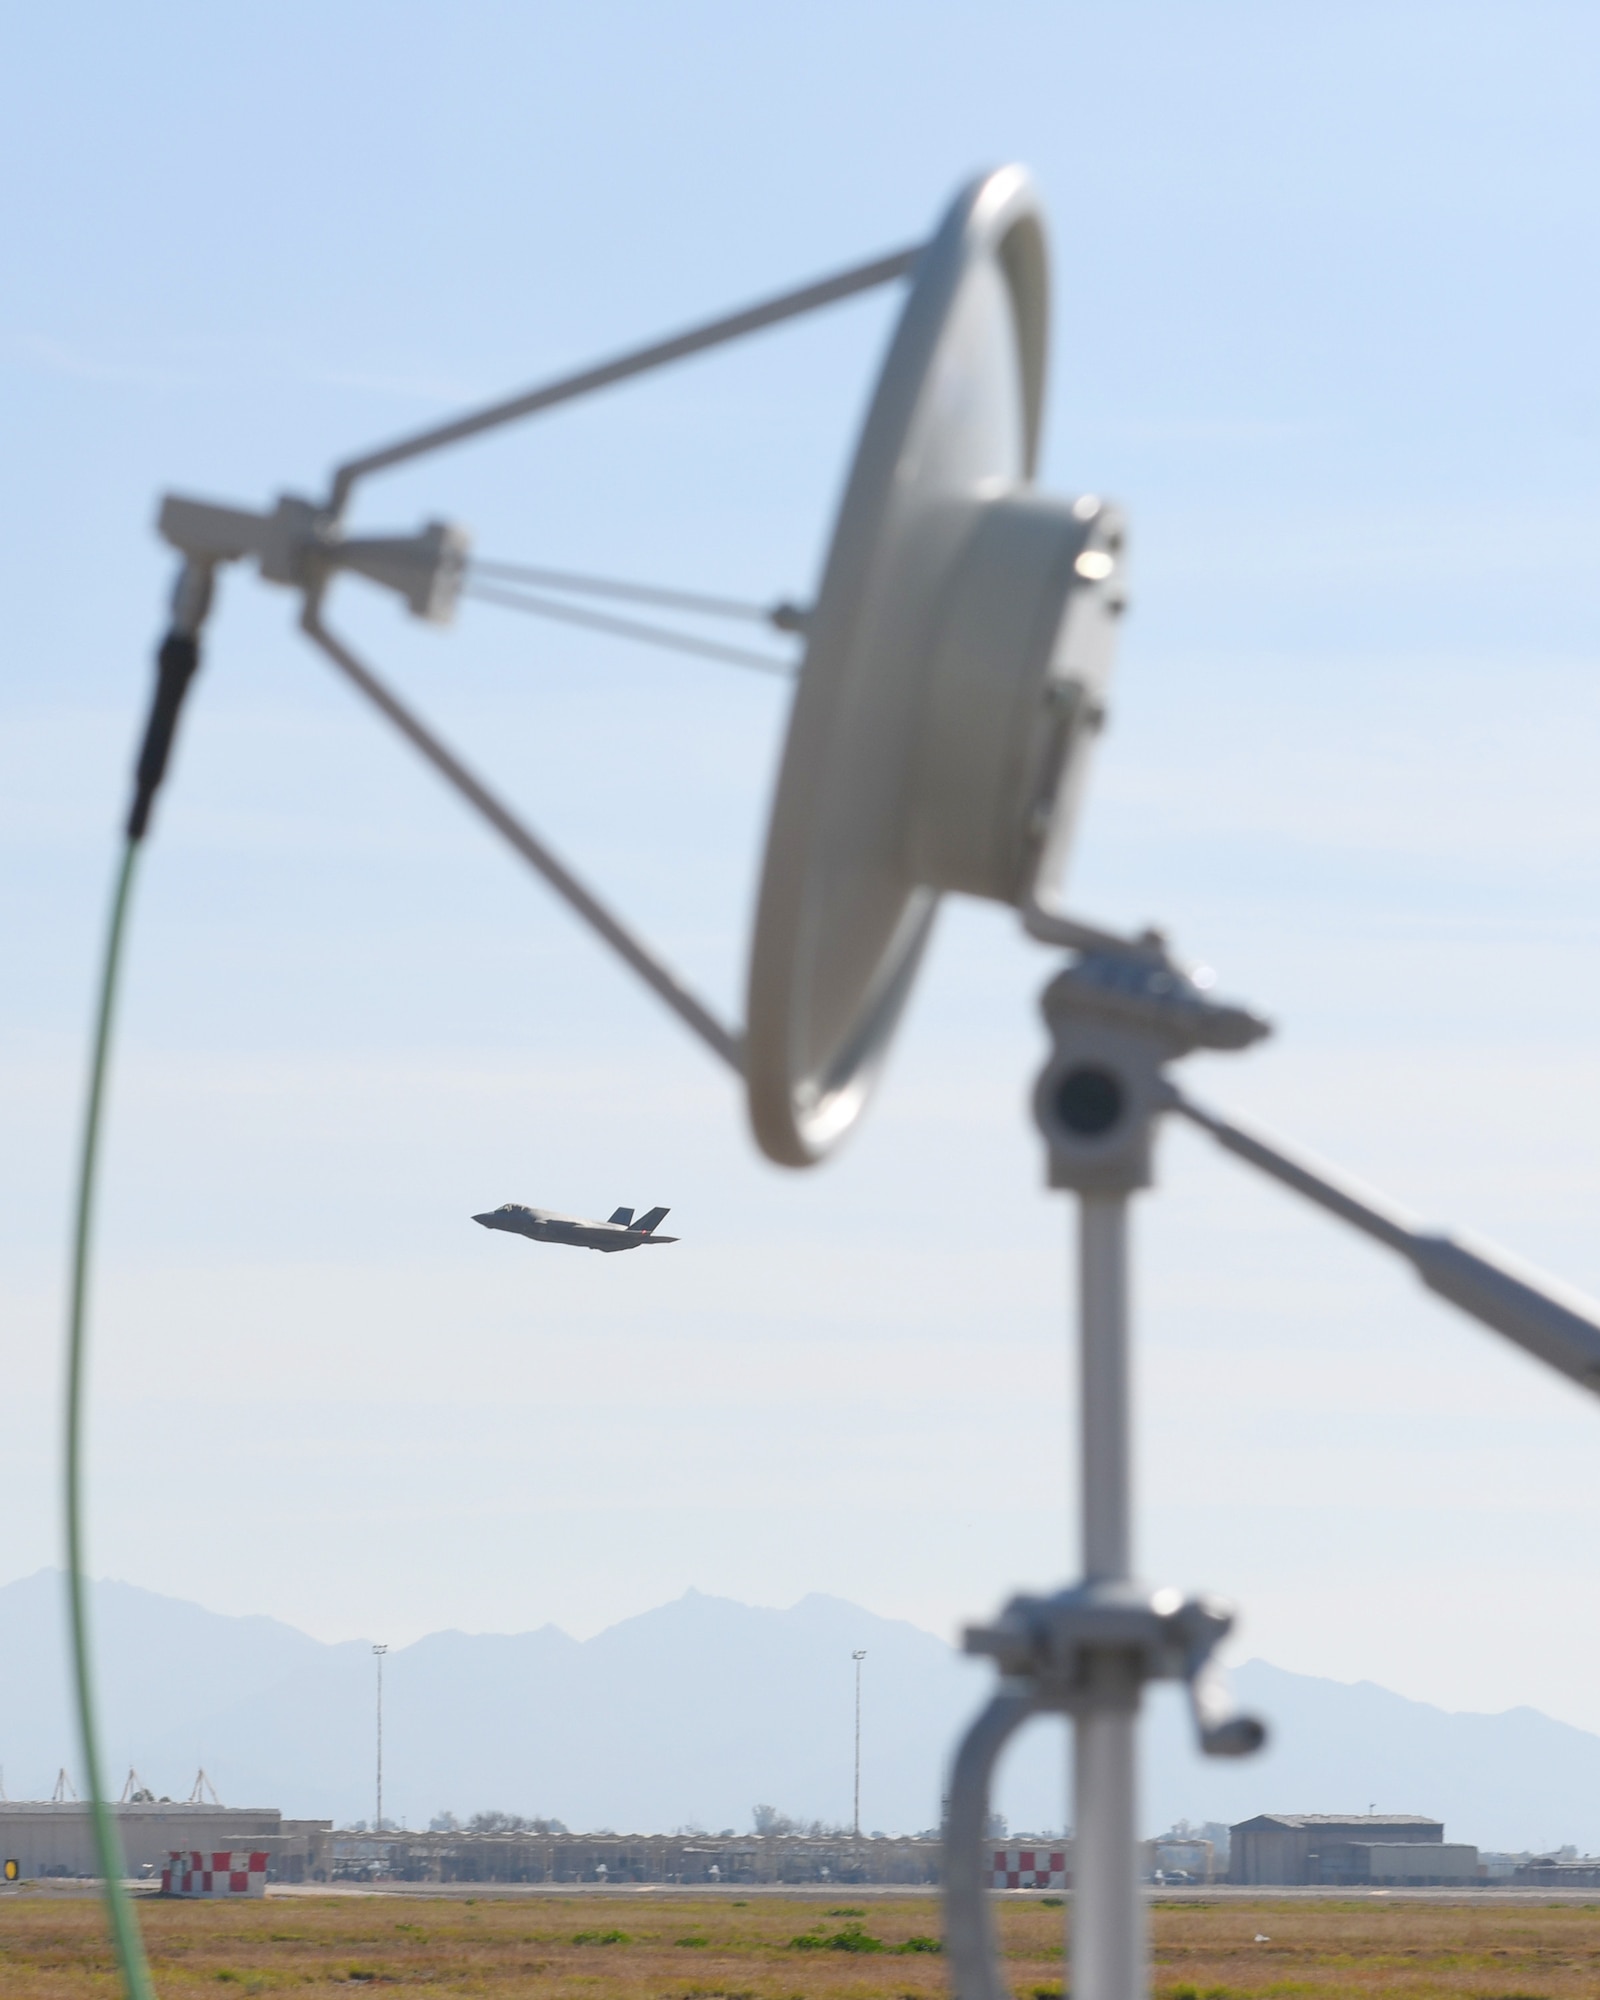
pixel 953 675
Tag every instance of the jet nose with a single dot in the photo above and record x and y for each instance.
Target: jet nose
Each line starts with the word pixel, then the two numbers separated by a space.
pixel 487 1219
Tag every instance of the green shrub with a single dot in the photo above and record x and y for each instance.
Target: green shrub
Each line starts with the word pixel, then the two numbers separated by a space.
pixel 848 1937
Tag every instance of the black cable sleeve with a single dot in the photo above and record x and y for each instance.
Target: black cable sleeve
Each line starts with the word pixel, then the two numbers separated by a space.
pixel 175 668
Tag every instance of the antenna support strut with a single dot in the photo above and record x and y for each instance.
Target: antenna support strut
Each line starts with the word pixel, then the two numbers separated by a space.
pixel 303 545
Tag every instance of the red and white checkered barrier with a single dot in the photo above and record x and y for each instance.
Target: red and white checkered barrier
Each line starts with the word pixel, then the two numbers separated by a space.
pixel 1029 1868
pixel 191 1873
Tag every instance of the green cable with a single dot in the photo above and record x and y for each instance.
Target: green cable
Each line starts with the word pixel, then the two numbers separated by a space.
pixel 108 1847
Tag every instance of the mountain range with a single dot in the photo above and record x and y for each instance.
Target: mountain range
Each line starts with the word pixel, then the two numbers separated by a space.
pixel 695 1712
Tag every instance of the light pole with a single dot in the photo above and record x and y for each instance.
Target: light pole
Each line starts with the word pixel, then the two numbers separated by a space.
pixel 378 1653
pixel 858 1658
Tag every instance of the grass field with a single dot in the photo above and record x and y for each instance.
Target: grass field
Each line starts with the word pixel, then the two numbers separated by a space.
pixel 586 1948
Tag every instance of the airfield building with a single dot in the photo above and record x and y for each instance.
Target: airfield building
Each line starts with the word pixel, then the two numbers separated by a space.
pixel 617 1858
pixel 55 1838
pixel 1555 1871
pixel 1384 1849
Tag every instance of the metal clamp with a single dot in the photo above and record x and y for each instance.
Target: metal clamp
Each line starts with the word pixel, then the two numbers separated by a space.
pixel 1050 1643
pixel 1052 1653
pixel 301 545
pixel 1117 1016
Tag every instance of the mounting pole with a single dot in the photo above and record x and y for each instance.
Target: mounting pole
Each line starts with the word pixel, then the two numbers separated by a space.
pixel 858 1657
pixel 1116 1017
pixel 1107 1926
pixel 378 1652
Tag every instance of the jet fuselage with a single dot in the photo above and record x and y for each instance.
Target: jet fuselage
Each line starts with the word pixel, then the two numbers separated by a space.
pixel 620 1233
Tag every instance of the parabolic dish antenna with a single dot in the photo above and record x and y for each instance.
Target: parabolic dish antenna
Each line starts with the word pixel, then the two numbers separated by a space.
pixel 953 678
pixel 952 675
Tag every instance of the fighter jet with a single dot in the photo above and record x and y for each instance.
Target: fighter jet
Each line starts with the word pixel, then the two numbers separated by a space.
pixel 621 1232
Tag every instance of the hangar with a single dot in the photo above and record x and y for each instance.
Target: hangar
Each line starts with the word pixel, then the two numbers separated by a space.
pixel 1381 1848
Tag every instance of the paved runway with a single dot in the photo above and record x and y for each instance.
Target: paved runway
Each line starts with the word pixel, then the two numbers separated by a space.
pixel 855 1892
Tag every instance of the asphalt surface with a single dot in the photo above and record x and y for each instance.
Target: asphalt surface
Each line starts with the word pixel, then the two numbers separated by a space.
pixel 826 1892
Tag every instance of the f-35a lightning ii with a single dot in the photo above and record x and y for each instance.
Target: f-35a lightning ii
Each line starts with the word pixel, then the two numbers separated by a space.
pixel 620 1233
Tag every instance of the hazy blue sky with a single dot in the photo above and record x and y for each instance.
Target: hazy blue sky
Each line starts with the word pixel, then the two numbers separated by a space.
pixel 1326 325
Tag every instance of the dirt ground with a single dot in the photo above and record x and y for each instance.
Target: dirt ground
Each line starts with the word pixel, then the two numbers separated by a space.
pixel 53 1947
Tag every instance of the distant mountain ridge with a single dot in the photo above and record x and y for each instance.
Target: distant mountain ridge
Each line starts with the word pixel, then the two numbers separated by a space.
pixel 696 1711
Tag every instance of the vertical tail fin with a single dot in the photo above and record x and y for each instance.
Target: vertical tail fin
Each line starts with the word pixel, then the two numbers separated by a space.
pixel 652 1219
pixel 623 1215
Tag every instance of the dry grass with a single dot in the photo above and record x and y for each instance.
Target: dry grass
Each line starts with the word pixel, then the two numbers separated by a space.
pixel 1379 1950
pixel 569 1948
